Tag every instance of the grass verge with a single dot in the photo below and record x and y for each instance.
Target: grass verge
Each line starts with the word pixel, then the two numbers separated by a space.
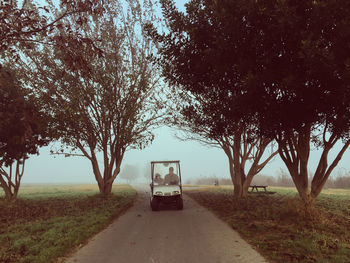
pixel 47 222
pixel 275 225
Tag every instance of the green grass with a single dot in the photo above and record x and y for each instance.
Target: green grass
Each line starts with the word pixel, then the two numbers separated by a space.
pixel 278 227
pixel 47 222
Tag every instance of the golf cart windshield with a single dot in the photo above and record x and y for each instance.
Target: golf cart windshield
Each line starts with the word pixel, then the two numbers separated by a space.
pixel 166 173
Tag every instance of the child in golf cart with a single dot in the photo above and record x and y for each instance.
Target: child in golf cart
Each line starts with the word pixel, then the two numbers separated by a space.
pixel 158 179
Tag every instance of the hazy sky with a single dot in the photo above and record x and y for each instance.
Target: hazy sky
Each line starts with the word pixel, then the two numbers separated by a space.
pixel 195 159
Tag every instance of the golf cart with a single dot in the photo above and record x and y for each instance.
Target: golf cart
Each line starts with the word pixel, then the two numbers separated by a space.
pixel 166 185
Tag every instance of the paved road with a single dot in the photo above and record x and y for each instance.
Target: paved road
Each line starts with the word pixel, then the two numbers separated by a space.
pixel 167 236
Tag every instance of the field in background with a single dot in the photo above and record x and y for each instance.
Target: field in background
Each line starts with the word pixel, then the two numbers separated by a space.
pixel 278 226
pixel 48 221
pixel 280 190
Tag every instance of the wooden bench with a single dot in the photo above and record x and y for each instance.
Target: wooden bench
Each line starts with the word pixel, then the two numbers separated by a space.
pixel 261 187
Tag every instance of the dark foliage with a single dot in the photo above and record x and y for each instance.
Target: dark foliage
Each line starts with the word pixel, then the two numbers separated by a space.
pixel 288 61
pixel 22 25
pixel 23 128
pixel 281 67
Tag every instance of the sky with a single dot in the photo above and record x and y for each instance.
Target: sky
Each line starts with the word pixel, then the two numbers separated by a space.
pixel 196 160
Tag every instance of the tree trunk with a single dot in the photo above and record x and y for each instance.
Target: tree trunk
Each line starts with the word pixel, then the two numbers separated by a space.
pixel 237 186
pixel 7 190
pixel 295 151
pixel 323 171
pixel 237 183
pixel 246 184
pixel 11 187
pixel 238 159
pixel 105 183
pixel 300 180
pixel 107 188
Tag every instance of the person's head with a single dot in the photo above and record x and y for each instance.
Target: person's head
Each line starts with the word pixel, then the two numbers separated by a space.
pixel 171 170
pixel 157 176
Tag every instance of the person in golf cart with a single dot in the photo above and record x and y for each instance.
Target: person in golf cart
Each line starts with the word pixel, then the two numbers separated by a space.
pixel 171 178
pixel 158 179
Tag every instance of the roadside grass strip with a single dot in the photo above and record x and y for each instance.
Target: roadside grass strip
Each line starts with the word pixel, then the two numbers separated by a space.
pixel 278 227
pixel 44 225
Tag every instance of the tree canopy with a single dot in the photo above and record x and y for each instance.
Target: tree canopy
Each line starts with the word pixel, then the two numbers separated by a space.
pixel 26 23
pixel 209 83
pixel 111 104
pixel 281 67
pixel 23 129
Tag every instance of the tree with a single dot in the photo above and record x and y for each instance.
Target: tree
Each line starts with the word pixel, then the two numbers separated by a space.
pixel 302 95
pixel 208 85
pixel 246 151
pixel 114 107
pixel 23 129
pixel 281 66
pixel 129 173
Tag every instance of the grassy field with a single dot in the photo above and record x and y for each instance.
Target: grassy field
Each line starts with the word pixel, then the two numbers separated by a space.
pixel 277 226
pixel 48 221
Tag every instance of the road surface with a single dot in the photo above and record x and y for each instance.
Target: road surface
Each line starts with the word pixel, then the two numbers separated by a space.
pixel 166 236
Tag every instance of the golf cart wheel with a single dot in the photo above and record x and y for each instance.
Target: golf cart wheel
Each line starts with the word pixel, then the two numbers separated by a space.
pixel 155 204
pixel 179 203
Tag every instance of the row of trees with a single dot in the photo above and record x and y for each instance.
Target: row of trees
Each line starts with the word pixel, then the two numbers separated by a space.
pixel 80 74
pixel 248 73
pixel 255 78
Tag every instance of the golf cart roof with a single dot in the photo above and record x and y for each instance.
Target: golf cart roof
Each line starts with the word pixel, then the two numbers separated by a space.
pixel 165 162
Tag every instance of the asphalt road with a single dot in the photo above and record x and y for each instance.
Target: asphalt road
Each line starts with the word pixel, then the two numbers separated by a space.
pixel 166 236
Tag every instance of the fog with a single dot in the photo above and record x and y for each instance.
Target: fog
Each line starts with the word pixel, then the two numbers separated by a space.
pixel 196 161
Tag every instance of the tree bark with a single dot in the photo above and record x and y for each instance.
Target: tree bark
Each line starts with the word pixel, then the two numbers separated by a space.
pixel 246 184
pixel 323 171
pixel 6 188
pixel 294 150
pixel 110 172
pixel 11 187
pixel 238 157
pixel 107 190
pixel 237 183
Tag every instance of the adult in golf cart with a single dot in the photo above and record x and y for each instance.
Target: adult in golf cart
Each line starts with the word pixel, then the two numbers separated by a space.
pixel 169 190
pixel 171 178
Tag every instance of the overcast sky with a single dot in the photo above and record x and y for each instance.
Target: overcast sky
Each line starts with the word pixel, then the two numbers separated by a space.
pixel 196 160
